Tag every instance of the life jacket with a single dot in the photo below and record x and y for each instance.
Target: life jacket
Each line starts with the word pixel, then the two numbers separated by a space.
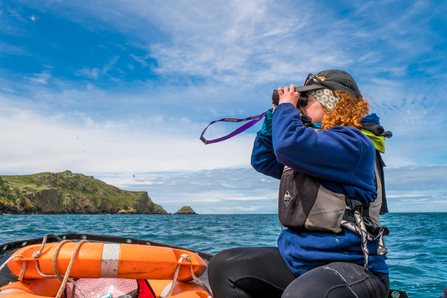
pixel 306 205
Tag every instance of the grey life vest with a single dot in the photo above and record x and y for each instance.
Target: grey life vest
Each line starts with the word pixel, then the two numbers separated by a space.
pixel 305 205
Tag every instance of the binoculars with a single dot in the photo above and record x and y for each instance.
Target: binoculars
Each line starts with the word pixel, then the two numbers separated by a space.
pixel 302 101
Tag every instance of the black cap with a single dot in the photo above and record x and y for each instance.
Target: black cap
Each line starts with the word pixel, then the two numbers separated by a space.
pixel 335 79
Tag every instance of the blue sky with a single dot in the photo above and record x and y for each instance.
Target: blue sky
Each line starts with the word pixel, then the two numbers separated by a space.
pixel 121 90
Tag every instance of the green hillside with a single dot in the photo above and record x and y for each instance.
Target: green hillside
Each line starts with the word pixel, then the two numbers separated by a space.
pixel 70 193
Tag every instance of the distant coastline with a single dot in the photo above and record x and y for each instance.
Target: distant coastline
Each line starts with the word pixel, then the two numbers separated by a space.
pixel 69 193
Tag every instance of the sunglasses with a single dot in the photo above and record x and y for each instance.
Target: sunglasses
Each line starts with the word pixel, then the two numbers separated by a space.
pixel 311 79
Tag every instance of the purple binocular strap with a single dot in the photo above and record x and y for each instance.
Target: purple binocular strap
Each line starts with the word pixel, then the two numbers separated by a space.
pixel 254 120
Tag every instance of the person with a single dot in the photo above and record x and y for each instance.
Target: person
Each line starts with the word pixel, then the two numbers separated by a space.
pixel 445 294
pixel 330 196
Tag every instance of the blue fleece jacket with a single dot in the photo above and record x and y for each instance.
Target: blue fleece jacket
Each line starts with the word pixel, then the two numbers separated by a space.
pixel 342 158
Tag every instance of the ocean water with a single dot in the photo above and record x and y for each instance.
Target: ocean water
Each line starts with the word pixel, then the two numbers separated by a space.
pixel 417 246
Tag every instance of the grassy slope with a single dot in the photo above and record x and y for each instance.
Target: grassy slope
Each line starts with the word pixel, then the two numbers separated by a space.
pixel 185 210
pixel 75 193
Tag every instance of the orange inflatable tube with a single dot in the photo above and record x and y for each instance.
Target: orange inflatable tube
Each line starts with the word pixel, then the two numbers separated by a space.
pixel 96 260
pixel 32 288
pixel 44 288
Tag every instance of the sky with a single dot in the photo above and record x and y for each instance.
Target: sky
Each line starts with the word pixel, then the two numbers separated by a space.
pixel 121 90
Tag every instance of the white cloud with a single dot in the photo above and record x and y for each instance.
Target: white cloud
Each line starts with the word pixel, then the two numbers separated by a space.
pixel 7 89
pixel 6 48
pixel 110 64
pixel 238 45
pixel 95 72
pixel 41 78
pixel 231 42
pixel 89 73
pixel 76 142
pixel 226 190
pixel 141 60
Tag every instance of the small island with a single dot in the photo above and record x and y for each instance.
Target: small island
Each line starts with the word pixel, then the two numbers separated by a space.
pixel 185 210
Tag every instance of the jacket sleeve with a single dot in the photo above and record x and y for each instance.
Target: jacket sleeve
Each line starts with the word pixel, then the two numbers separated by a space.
pixel 339 154
pixel 263 158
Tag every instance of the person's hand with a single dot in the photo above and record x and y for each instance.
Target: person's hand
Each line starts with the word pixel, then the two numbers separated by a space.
pixel 289 95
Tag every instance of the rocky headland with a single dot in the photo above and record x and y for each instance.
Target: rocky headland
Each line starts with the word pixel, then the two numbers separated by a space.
pixel 69 193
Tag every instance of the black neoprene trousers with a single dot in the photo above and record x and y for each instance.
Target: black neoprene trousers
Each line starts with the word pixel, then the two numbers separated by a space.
pixel 261 272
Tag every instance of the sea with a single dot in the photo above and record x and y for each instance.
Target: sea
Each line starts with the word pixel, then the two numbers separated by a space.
pixel 417 245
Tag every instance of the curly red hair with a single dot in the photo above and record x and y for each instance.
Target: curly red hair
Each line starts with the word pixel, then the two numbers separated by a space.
pixel 349 111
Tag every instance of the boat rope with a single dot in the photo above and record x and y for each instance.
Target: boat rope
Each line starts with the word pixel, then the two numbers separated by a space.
pixel 70 265
pixel 22 272
pixel 37 254
pixel 75 285
pixel 56 252
pixel 66 278
pixel 174 281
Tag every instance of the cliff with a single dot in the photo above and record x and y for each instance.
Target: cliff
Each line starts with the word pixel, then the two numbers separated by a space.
pixel 66 192
pixel 185 210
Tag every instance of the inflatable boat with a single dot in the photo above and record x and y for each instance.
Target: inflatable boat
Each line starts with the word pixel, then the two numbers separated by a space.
pixel 95 266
